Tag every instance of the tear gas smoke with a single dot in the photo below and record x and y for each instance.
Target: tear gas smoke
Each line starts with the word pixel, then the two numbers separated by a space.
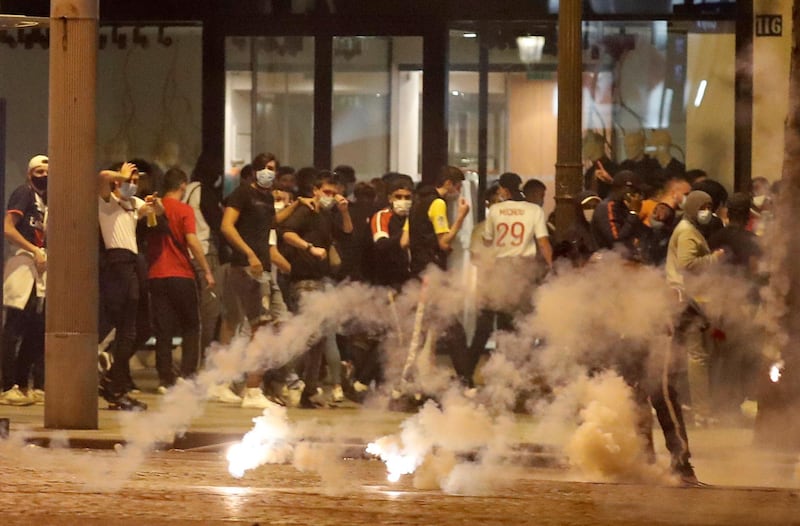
pixel 606 444
pixel 591 318
pixel 267 443
pixel 431 442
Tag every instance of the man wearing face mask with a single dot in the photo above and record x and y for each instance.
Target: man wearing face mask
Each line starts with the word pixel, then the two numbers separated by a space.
pixel 119 213
pixel 662 216
pixel 387 262
pixel 688 254
pixel 24 287
pixel 389 237
pixel 309 235
pixel 246 224
pixel 719 196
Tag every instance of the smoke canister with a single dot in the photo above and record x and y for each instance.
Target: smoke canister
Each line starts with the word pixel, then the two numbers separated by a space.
pixel 152 220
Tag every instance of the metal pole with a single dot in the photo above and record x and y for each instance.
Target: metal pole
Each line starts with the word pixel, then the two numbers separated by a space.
pixel 483 120
pixel 743 110
pixel 568 165
pixel 72 288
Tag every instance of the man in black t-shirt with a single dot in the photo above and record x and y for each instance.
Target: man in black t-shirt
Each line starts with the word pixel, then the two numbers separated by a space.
pixel 248 218
pixel 309 235
pixel 23 289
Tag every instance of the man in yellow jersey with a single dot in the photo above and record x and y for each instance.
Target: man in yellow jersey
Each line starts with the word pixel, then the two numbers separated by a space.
pixel 430 234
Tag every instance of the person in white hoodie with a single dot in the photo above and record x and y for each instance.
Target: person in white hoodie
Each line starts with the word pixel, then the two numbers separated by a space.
pixel 25 226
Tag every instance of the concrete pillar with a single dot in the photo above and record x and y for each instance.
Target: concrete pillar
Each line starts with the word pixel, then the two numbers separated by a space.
pixel 72 287
pixel 569 176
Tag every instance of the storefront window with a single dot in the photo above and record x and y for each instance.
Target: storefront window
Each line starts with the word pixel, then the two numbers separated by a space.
pixel 273 109
pixel 377 86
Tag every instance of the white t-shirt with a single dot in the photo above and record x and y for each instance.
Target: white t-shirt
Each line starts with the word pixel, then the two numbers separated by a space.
pixel 513 228
pixel 118 220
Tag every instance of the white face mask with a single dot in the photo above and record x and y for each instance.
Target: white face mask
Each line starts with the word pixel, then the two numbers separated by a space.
pixel 327 202
pixel 588 215
pixel 704 217
pixel 279 205
pixel 264 178
pixel 759 200
pixel 401 206
pixel 682 202
pixel 127 190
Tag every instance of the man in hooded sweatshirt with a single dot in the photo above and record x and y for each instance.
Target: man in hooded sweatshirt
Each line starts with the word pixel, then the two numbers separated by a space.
pixel 688 254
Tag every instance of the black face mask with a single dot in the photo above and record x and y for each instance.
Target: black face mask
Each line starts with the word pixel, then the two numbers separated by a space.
pixel 39 183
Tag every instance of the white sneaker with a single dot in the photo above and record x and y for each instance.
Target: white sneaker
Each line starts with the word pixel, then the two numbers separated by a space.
pixel 162 389
pixel 223 394
pixel 359 387
pixel 337 395
pixel 15 396
pixel 254 398
pixel 295 392
pixel 37 395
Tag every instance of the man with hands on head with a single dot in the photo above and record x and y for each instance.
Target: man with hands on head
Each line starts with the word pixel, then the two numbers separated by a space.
pixel 309 234
pixel 119 211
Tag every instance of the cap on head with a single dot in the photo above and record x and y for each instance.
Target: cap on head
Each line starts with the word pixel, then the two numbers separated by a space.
pixel 587 196
pixel 37 161
pixel 627 179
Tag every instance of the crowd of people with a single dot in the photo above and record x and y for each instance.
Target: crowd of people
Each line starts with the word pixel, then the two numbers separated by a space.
pixel 179 260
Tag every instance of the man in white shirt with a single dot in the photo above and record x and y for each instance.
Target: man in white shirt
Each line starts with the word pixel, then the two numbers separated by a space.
pixel 514 231
pixel 119 211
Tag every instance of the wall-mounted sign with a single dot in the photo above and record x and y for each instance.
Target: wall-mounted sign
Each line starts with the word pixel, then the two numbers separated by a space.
pixel 769 25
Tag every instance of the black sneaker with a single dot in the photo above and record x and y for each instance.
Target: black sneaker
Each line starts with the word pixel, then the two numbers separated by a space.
pixel 685 471
pixel 126 403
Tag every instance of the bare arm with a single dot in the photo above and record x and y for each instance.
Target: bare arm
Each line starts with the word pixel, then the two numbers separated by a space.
pixel 446 239
pixel 344 209
pixel 13 235
pixel 284 214
pixel 404 239
pixel 294 239
pixel 278 260
pixel 228 229
pixel 197 251
pixel 106 177
pixel 547 250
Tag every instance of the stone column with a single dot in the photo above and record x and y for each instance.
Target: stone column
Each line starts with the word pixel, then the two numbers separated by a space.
pixel 569 176
pixel 72 287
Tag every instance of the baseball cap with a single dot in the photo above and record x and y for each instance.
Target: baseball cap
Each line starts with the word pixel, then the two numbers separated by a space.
pixel 510 181
pixel 37 161
pixel 627 179
pixel 587 196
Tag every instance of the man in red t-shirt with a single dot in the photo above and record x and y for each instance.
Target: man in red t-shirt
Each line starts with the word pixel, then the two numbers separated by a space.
pixel 173 289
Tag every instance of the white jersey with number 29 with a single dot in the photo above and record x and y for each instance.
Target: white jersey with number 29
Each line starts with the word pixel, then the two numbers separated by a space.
pixel 513 227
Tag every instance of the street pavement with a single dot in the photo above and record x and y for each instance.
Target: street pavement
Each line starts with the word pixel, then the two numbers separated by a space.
pixel 186 480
